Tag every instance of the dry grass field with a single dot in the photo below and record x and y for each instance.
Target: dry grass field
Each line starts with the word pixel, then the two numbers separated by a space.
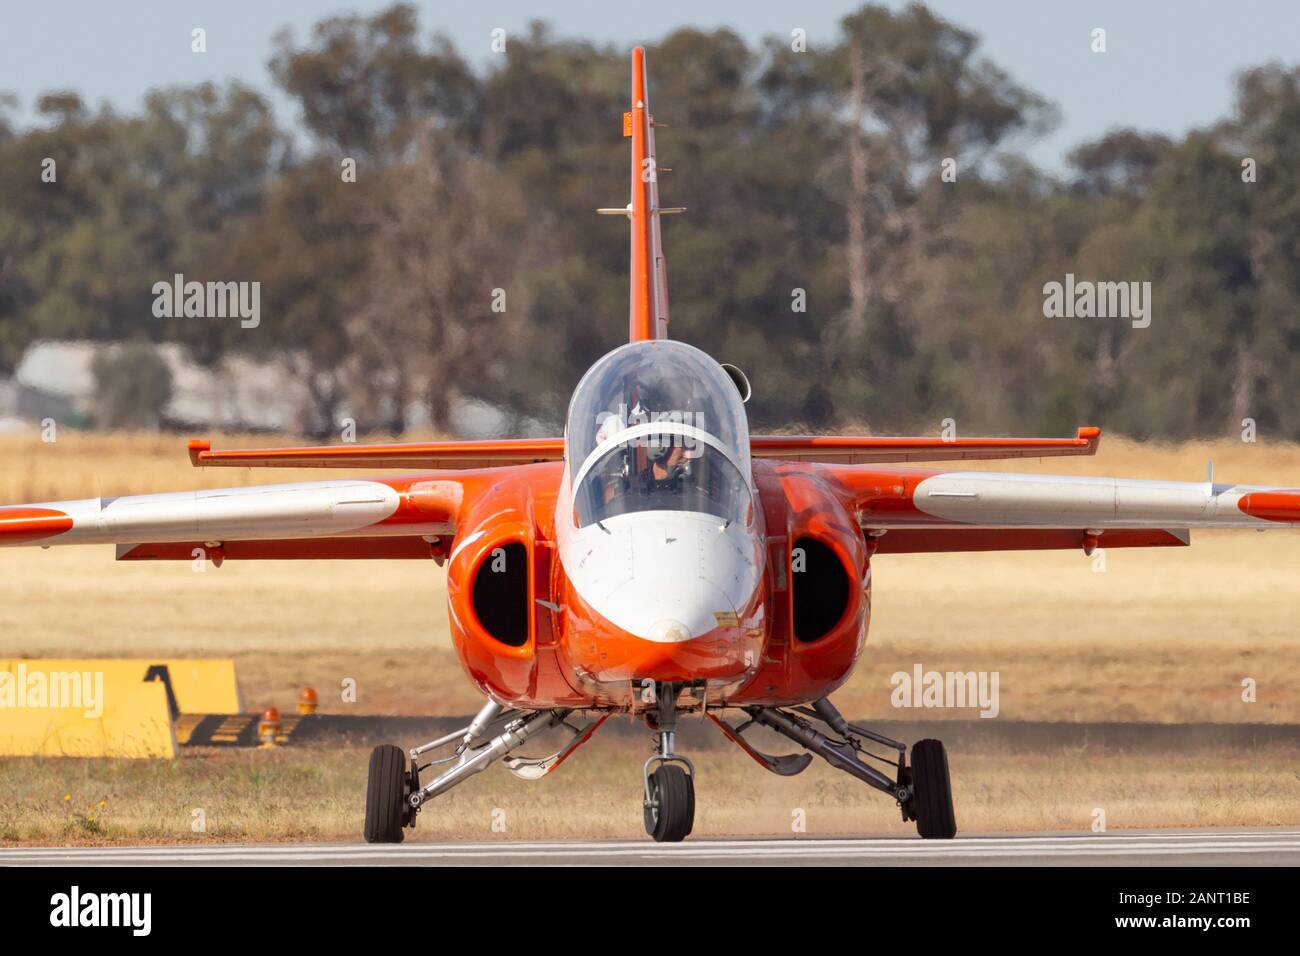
pixel 316 794
pixel 1165 635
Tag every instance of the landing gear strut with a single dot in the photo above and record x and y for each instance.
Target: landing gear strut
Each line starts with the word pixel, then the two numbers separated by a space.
pixel 394 794
pixel 669 806
pixel 923 791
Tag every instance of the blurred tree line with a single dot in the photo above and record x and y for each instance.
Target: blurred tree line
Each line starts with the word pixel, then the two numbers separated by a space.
pixel 864 237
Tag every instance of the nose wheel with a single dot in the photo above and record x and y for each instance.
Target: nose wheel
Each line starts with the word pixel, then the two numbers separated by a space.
pixel 670 803
pixel 669 787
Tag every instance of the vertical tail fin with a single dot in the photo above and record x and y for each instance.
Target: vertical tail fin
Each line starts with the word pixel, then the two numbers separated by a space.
pixel 649 299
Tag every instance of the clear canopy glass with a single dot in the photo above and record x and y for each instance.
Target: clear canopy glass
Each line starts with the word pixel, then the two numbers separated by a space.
pixel 658 425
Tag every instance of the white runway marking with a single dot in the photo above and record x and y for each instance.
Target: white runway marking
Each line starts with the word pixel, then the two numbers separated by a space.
pixel 1269 847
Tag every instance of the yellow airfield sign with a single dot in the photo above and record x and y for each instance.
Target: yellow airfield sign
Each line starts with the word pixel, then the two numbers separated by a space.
pixel 107 707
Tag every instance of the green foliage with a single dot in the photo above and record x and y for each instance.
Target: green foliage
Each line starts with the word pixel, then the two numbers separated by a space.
pixel 133 385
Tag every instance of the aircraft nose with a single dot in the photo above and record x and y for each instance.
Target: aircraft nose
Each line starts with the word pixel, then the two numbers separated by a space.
pixel 669 606
pixel 667 578
pixel 668 631
pixel 662 597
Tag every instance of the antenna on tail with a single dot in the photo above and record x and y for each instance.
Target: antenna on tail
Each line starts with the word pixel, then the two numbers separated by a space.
pixel 648 302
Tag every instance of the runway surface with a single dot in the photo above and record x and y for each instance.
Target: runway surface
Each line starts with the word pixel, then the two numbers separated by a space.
pixel 1226 847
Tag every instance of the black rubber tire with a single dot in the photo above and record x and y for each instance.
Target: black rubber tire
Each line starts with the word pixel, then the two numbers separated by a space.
pixel 932 797
pixel 386 793
pixel 673 816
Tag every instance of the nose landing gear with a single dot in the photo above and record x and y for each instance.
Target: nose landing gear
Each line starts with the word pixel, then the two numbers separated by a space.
pixel 669 806
pixel 669 802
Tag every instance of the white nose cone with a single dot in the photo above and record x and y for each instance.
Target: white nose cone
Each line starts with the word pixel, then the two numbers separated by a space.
pixel 666 576
pixel 668 631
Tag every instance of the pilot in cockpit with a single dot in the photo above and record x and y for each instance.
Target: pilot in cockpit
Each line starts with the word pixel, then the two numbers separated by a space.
pixel 657 428
pixel 666 463
pixel 652 464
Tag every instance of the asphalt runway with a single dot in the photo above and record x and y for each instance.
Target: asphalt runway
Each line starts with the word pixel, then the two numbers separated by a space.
pixel 1187 847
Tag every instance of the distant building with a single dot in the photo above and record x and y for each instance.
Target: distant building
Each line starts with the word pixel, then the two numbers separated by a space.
pixel 54 379
pixel 23 407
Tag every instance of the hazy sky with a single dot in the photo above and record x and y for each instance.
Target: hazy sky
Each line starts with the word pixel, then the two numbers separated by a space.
pixel 1168 66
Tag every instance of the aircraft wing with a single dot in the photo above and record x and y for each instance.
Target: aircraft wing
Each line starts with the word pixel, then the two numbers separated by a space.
pixel 845 449
pixel 862 449
pixel 926 510
pixel 348 518
pixel 431 454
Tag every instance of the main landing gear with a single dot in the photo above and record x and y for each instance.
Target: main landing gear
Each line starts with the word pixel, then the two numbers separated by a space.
pixel 394 795
pixel 923 790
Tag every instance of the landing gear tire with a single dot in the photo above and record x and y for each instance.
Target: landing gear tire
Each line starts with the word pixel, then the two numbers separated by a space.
pixel 387 790
pixel 931 801
pixel 671 814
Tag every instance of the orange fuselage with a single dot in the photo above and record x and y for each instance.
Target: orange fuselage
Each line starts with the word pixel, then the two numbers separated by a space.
pixel 571 655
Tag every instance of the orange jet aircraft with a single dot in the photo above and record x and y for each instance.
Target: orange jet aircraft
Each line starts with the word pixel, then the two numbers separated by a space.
pixel 658 559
